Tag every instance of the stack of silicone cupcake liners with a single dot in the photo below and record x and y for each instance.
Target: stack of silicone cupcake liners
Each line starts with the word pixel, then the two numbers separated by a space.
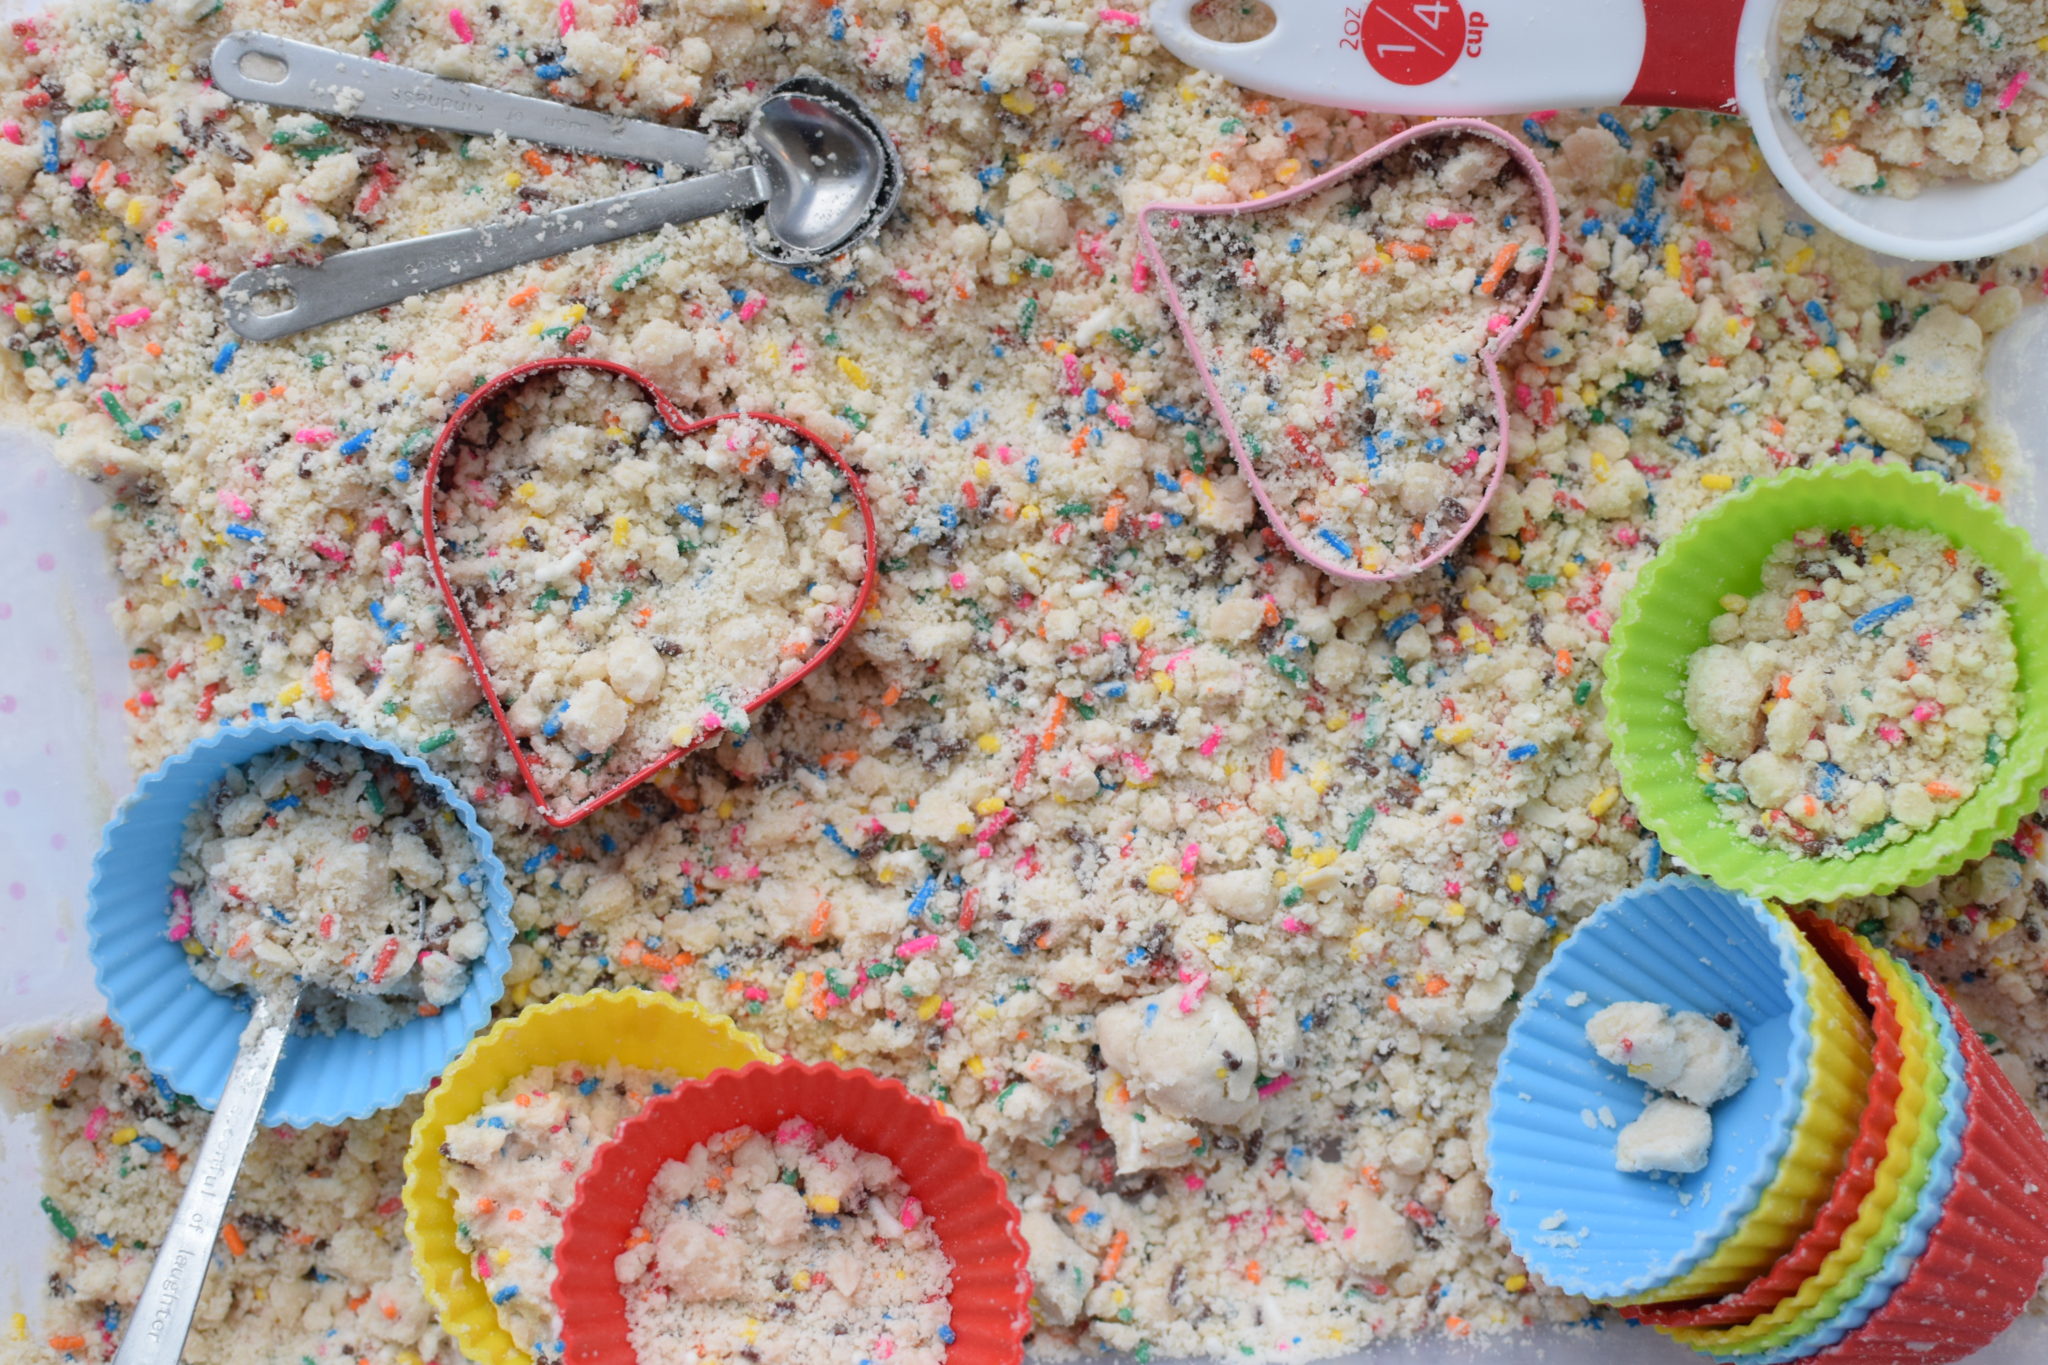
pixel 1779 1144
pixel 1892 1226
pixel 947 1172
pixel 189 1032
pixel 1986 1255
pixel 1847 957
pixel 634 1028
pixel 1666 617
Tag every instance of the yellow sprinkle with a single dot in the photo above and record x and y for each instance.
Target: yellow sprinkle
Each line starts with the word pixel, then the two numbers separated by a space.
pixel 24 313
pixel 134 213
pixel 1218 174
pixel 981 469
pixel 21 1327
pixel 121 1137
pixel 989 744
pixel 622 530
pixel 1673 266
pixel 214 642
pixel 1515 882
pixel 1720 483
pixel 1163 878
pixel 989 805
pixel 975 1066
pixel 1626 195
pixel 1733 326
pixel 276 224
pixel 291 694
pixel 501 1257
pixel 801 1280
pixel 1164 682
pixel 1734 602
pixel 1823 363
pixel 822 1203
pixel 1141 627
pixel 513 180
pixel 793 993
pixel 1515 1284
pixel 192 948
pixel 725 809
pixel 1020 102
pixel 1322 857
pixel 519 992
pixel 1457 734
pixel 2000 927
pixel 1454 911
pixel 526 490
pixel 852 371
pixel 1801 259
pixel 839 1054
pixel 928 1007
pixel 1604 802
pixel 1187 94
pixel 1376 333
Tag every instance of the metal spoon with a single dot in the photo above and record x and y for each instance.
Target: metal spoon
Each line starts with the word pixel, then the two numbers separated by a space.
pixel 826 176
pixel 163 1316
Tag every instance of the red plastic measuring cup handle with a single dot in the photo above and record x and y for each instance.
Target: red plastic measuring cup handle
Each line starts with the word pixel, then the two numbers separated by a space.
pixel 1689 54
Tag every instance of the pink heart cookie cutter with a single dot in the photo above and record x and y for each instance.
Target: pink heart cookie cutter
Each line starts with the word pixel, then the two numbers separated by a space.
pixel 678 425
pixel 1488 354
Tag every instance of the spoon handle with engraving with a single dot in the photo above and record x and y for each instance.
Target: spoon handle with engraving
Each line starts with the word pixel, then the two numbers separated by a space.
pixel 156 1334
pixel 293 75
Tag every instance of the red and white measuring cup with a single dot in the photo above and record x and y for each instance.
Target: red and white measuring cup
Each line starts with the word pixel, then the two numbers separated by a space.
pixel 1447 57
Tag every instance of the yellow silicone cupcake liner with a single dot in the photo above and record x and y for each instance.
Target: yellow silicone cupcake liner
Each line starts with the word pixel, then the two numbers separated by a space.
pixel 1908 1153
pixel 1829 1115
pixel 1666 616
pixel 631 1027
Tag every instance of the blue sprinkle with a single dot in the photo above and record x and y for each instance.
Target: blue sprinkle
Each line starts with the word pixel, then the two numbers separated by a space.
pixel 1294 246
pixel 1165 482
pixel 402 470
pixel 50 162
pixel 1656 858
pixel 258 710
pixel 355 444
pixel 1972 92
pixel 1407 764
pixel 225 357
pixel 283 803
pixel 506 1295
pixel 838 21
pixel 1613 125
pixel 1829 776
pixel 692 513
pixel 946 1334
pixel 552 726
pixel 912 88
pixel 1031 470
pixel 392 629
pixel 148 1144
pixel 240 532
pixel 88 360
pixel 832 833
pixel 587 1086
pixel 1521 753
pixel 923 897
pixel 546 855
pixel 1535 133
pixel 551 71
pixel 1877 616
pixel 1336 542
pixel 1392 630
pixel 1952 445
pixel 1819 314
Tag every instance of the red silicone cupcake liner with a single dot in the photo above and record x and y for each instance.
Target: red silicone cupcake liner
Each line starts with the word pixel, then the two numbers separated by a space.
pixel 1987 1254
pixel 1849 958
pixel 948 1172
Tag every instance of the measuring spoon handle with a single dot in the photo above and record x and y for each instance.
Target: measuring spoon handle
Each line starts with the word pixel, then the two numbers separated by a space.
pixel 156 1334
pixel 279 300
pixel 293 75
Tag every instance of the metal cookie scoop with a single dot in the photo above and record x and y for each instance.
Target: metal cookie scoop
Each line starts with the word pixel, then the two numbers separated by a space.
pixel 823 176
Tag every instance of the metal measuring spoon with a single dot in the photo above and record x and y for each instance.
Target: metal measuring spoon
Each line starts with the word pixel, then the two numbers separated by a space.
pixel 163 1315
pixel 826 176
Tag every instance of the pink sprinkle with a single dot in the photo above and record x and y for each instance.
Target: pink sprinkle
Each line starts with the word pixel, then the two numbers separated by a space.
pixel 2012 91
pixel 1192 996
pixel 1118 16
pixel 313 436
pixel 1139 766
pixel 1315 1226
pixel 1627 535
pixel 945 1011
pixel 568 13
pixel 1703 249
pixel 1925 712
pixel 11 131
pixel 1446 220
pixel 1193 1181
pixel 1274 1086
pixel 923 943
pixel 327 551
pixel 751 307
pixel 1188 857
pixel 1890 734
pixel 1544 115
pixel 1209 745
pixel 182 925
pixel 134 317
pixel 958 581
pixel 1118 416
pixel 1071 366
pixel 1141 271
pixel 795 1131
pixel 771 497
pixel 913 1213
pixel 1105 136
pixel 483 1266
pixel 1510 839
pixel 458 22
pixel 235 504
pixel 1498 323
pixel 95 1123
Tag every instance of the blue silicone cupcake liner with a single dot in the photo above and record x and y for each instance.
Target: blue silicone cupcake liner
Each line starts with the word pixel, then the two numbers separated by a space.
pixel 1692 946
pixel 188 1032
pixel 1941 1175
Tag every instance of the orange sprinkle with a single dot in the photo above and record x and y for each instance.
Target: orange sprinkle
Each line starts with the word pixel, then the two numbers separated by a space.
pixel 1114 1257
pixel 819 917
pixel 1052 724
pixel 1457 1326
pixel 1369 266
pixel 1784 687
pixel 1564 661
pixel 1276 763
pixel 240 946
pixel 1942 791
pixel 1794 617
pixel 67 1343
pixel 1436 985
pixel 524 296
pixel 1114 513
pixel 323 675
pixel 271 605
pixel 78 316
pixel 1414 251
pixel 1271 616
pixel 537 161
pixel 232 1235
pixel 1502 259
pixel 484 1203
pixel 1077 1213
pixel 1252 1272
pixel 172 1161
pixel 890 697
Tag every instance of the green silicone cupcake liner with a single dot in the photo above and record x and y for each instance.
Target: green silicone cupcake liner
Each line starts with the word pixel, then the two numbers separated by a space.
pixel 1666 617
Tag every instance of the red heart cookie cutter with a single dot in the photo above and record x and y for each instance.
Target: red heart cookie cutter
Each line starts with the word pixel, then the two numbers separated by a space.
pixel 678 425
pixel 1488 355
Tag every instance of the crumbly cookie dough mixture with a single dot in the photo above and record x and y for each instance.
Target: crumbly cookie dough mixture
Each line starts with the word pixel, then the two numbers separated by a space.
pixel 1895 95
pixel 330 864
pixel 632 589
pixel 1344 333
pixel 1862 693
pixel 1689 1063
pixel 1361 811
pixel 512 1170
pixel 789 1247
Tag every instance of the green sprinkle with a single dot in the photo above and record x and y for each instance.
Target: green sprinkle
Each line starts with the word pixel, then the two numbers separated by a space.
pixel 383 11
pixel 1870 927
pixel 1400 667
pixel 1540 580
pixel 1726 791
pixel 376 796
pixel 65 1227
pixel 1293 896
pixel 966 947
pixel 1868 836
pixel 1993 751
pixel 1581 692
pixel 638 271
pixel 445 738
pixel 540 603
pixel 1358 829
pixel 1075 509
pixel 1288 669
pixel 854 419
pixel 1026 316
